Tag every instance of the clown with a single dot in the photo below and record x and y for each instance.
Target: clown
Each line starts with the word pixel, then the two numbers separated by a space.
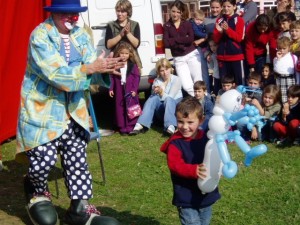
pixel 217 158
pixel 53 117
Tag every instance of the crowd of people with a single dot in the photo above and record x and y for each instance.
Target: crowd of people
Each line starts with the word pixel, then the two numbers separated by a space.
pixel 229 48
pixel 211 56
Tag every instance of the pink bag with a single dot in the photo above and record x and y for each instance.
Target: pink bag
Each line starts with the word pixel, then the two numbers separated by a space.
pixel 134 111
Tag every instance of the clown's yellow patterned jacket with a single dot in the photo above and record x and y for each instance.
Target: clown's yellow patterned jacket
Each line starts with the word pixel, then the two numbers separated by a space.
pixel 52 90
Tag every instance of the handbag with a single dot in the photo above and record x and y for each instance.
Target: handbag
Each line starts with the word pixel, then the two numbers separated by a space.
pixel 134 110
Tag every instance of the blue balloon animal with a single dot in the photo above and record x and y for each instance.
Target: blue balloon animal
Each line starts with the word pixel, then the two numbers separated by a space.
pixel 227 112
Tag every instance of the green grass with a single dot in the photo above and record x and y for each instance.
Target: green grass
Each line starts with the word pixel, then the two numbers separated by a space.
pixel 138 189
pixel 139 192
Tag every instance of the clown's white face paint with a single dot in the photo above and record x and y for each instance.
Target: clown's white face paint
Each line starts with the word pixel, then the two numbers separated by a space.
pixel 70 26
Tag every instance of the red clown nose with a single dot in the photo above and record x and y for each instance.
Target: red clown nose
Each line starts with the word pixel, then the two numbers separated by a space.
pixel 75 18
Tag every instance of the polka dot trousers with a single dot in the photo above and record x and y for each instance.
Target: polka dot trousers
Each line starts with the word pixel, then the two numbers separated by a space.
pixel 71 146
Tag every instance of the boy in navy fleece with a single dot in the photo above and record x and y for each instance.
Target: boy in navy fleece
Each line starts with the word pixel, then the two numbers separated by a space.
pixel 185 153
pixel 205 101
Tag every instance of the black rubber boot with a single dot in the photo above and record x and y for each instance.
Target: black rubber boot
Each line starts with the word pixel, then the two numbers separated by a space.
pixel 81 213
pixel 39 207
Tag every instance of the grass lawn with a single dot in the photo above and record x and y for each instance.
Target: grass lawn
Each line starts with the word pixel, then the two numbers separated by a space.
pixel 138 189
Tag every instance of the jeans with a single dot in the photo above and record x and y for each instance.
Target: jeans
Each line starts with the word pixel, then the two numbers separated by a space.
pixel 188 68
pixel 163 110
pixel 194 216
pixel 245 133
pixel 204 68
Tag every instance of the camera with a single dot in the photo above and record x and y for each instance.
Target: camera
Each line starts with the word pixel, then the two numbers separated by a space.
pixel 220 21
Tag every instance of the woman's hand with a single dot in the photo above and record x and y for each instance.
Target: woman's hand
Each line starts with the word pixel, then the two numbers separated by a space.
pixel 111 94
pixel 156 89
pixel 219 28
pixel 201 171
pixel 127 28
pixel 224 25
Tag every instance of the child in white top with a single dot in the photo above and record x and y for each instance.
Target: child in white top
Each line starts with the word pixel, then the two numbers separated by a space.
pixel 284 66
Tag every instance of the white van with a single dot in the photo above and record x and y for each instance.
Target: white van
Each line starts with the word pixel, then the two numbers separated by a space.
pixel 147 13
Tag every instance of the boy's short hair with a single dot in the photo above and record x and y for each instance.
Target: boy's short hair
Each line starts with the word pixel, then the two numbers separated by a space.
pixel 200 85
pixel 294 91
pixel 227 79
pixel 283 42
pixel 283 17
pixel 189 105
pixel 254 76
pixel 199 14
pixel 295 25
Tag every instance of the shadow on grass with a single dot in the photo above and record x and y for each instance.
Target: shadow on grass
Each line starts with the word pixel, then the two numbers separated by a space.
pixel 127 218
pixel 12 191
pixel 13 202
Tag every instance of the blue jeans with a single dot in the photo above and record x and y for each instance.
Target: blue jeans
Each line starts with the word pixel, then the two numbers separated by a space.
pixel 194 216
pixel 163 110
pixel 204 68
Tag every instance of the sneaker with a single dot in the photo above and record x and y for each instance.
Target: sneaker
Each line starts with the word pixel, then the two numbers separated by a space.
pixel 138 129
pixel 296 141
pixel 171 130
pixel 279 142
pixel 283 142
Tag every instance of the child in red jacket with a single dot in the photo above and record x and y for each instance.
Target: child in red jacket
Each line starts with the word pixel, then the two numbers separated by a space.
pixel 258 36
pixel 287 128
pixel 185 154
pixel 228 34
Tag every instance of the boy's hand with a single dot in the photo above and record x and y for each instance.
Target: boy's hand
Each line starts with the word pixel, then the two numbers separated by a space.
pixel 133 94
pixel 201 171
pixel 254 134
pixel 255 102
pixel 286 109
